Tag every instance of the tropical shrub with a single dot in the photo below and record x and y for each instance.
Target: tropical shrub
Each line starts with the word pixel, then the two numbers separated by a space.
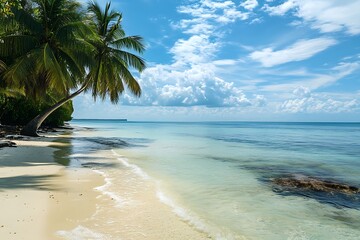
pixel 20 110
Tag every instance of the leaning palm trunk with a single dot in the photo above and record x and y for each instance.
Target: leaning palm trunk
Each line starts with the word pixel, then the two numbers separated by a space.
pixel 31 128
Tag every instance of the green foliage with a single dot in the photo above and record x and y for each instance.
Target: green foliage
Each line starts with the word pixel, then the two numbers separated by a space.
pixel 49 48
pixel 6 5
pixel 19 111
pixel 110 73
pixel 44 45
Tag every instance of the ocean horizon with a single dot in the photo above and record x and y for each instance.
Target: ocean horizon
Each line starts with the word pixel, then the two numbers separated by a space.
pixel 220 177
pixel 210 121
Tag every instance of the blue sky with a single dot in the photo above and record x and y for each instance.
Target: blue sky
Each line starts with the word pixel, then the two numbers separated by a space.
pixel 246 60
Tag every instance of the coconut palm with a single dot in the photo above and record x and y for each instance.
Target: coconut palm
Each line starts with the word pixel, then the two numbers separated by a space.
pixel 41 47
pixel 109 72
pixel 112 56
pixel 45 47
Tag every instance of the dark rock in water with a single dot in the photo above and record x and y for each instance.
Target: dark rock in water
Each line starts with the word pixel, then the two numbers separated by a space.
pixel 7 144
pixel 309 183
pixel 14 137
pixel 335 193
pixel 110 142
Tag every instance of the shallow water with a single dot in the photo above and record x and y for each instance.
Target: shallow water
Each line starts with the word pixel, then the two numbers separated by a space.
pixel 217 176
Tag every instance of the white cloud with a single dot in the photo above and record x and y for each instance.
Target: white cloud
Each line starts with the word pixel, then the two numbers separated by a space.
pixel 249 4
pixel 318 103
pixel 280 9
pixel 312 81
pixel 259 101
pixel 256 20
pixel 196 49
pixel 225 62
pixel 302 92
pixel 191 79
pixel 301 50
pixel 197 85
pixel 324 15
pixel 206 15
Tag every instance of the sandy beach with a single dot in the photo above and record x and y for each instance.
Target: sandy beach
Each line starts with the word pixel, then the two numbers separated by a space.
pixel 45 200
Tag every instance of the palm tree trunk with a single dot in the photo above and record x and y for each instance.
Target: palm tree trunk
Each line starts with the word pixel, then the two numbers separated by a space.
pixel 31 128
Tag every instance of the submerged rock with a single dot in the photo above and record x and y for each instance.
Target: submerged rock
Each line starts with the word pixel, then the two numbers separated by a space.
pixel 301 182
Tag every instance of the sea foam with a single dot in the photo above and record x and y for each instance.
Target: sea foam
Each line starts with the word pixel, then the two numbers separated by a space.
pixel 137 170
pixel 104 189
pixel 81 233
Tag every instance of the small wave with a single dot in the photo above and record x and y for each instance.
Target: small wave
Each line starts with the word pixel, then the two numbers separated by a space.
pixel 104 189
pixel 137 170
pixel 193 220
pixel 79 155
pixel 181 212
pixel 81 233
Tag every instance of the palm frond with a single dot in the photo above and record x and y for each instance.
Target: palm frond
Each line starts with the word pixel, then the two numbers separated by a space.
pixel 128 78
pixel 111 74
pixel 59 74
pixel 27 21
pixel 131 42
pixel 2 67
pixel 17 73
pixel 12 92
pixel 130 59
pixel 71 30
pixel 16 45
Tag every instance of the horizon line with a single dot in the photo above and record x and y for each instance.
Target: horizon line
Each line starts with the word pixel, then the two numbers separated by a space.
pixel 208 121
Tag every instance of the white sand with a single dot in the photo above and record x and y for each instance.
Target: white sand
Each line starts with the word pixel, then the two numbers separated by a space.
pixel 40 199
pixel 38 196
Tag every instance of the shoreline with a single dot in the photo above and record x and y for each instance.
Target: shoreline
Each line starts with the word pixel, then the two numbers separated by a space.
pixel 46 200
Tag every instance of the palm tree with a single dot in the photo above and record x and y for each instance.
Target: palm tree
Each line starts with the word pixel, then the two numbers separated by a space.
pixel 109 71
pixel 44 47
pixel 41 48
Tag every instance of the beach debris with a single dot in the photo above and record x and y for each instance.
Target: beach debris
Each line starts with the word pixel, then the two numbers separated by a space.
pixel 310 183
pixel 7 144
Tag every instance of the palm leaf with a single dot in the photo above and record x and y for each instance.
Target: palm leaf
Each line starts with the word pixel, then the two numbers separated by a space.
pixel 131 43
pixel 130 59
pixel 16 45
pixel 27 21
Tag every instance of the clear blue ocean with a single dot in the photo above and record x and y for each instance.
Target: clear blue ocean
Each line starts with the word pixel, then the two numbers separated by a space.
pixel 218 176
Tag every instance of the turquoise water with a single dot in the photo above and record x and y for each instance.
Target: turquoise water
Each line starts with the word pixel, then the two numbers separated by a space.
pixel 218 176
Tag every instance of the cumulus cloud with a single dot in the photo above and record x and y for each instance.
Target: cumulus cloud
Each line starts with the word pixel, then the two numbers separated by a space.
pixel 165 85
pixel 302 92
pixel 191 79
pixel 259 100
pixel 307 102
pixel 249 4
pixel 301 50
pixel 324 15
pixel 196 49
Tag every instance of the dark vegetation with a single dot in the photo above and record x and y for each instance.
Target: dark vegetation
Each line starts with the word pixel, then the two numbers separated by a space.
pixel 18 111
